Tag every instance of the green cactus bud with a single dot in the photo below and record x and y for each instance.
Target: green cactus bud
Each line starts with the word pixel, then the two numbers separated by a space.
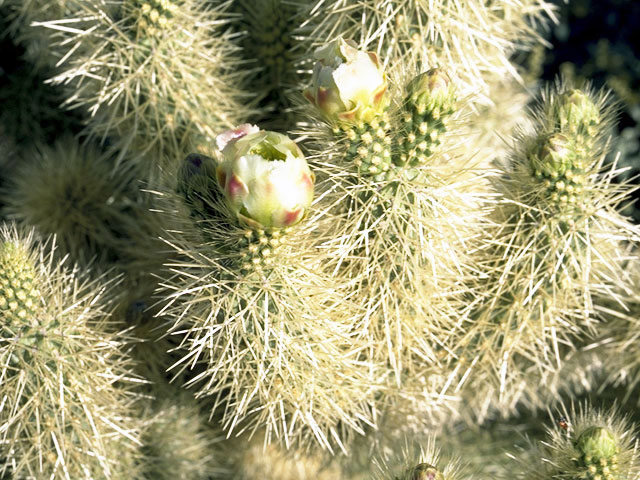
pixel 348 84
pixel 264 177
pixel 577 112
pixel 429 102
pixel 433 90
pixel 558 163
pixel 597 447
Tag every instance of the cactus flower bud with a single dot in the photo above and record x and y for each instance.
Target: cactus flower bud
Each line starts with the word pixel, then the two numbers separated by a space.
pixel 347 84
pixel 555 156
pixel 433 89
pixel 425 471
pixel 597 445
pixel 577 111
pixel 264 177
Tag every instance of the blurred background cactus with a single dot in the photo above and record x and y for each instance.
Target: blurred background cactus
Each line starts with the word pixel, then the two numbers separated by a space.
pixel 285 239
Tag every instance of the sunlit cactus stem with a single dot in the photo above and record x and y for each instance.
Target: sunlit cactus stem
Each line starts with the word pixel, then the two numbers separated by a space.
pixel 66 395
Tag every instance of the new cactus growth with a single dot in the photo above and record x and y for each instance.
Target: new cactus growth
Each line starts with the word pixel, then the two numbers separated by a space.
pixel 429 102
pixel 589 445
pixel 560 245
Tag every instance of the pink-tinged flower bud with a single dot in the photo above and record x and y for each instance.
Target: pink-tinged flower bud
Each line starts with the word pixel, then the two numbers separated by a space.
pixel 265 177
pixel 425 471
pixel 347 84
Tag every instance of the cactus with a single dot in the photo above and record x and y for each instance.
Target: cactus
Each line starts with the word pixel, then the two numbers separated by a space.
pixel 255 320
pixel 588 444
pixel 560 244
pixel 95 209
pixel 172 88
pixel 67 392
pixel 402 225
pixel 405 263
pixel 435 33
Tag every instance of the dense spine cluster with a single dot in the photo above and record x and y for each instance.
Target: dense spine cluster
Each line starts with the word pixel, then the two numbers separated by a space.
pixel 67 396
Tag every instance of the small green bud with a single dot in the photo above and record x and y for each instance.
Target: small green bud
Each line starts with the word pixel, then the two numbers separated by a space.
pixel 348 84
pixel 264 177
pixel 577 111
pixel 554 157
pixel 597 444
pixel 433 89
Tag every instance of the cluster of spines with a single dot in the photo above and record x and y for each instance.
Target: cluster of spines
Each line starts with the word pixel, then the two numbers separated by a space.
pixel 260 247
pixel 174 85
pixel 66 409
pixel 96 210
pixel 177 440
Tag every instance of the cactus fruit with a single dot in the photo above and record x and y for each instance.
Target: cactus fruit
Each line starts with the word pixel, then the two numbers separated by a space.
pixel 67 391
pixel 429 102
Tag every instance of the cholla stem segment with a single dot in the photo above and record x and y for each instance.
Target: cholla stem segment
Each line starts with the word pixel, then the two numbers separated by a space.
pixel 66 405
pixel 559 246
